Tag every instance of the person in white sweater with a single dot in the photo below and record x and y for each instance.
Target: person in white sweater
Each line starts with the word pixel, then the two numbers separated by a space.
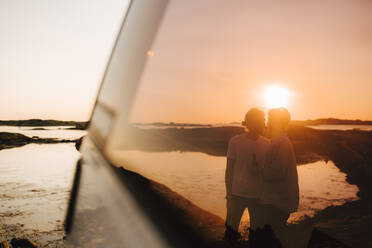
pixel 245 157
pixel 280 192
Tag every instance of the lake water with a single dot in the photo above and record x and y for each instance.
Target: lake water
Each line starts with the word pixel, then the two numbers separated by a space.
pixel 322 127
pixel 58 132
pixel 342 127
pixel 34 184
pixel 35 179
pixel 200 178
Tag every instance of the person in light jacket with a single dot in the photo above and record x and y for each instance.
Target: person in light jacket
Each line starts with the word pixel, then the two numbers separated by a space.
pixel 280 192
pixel 245 157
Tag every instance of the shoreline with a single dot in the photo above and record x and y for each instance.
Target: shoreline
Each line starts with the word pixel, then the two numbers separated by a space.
pixel 11 140
pixel 349 150
pixel 43 123
pixel 35 188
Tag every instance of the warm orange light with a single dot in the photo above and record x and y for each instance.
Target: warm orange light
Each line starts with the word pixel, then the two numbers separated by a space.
pixel 276 97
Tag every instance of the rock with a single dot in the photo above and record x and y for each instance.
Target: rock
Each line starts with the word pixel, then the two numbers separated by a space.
pixel 22 243
pixel 78 143
pixel 40 123
pixel 321 240
pixel 10 140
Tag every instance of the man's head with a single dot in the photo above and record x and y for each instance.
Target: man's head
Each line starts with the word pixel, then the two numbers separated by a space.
pixel 254 120
pixel 278 121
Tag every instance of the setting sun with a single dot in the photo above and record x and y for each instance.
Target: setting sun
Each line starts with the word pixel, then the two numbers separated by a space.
pixel 276 97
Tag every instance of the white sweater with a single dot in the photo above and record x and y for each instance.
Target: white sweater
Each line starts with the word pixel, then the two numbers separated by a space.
pixel 244 179
pixel 280 179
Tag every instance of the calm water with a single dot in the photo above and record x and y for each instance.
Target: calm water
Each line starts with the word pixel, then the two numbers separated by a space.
pixel 34 184
pixel 35 179
pixel 342 127
pixel 58 132
pixel 322 127
pixel 200 178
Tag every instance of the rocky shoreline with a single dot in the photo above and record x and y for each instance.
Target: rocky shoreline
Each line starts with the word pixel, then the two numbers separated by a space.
pixel 11 140
pixel 44 123
pixel 350 151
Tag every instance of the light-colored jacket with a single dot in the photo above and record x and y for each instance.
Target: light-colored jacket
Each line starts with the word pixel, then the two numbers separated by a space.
pixel 246 157
pixel 280 179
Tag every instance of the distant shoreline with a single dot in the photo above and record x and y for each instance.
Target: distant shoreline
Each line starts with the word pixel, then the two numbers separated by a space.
pixel 330 121
pixel 12 140
pixel 84 124
pixel 315 122
pixel 44 123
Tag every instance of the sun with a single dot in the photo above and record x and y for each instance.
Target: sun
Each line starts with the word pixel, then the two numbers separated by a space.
pixel 276 96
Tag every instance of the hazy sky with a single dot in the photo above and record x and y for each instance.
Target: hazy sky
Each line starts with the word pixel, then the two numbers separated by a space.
pixel 224 53
pixel 52 55
pixel 213 60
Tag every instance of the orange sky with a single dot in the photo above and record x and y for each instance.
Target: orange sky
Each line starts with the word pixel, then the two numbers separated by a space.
pixel 53 54
pixel 212 59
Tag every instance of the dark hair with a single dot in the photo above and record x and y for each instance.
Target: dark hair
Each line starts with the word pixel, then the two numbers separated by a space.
pixel 252 117
pixel 281 115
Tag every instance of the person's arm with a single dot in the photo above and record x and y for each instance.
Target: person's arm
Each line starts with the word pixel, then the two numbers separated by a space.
pixel 230 161
pixel 278 158
pixel 229 176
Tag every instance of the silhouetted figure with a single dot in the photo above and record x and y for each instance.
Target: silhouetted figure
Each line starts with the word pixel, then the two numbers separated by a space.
pixel 280 193
pixel 245 157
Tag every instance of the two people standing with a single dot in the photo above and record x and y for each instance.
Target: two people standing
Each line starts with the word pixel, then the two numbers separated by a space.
pixel 261 174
